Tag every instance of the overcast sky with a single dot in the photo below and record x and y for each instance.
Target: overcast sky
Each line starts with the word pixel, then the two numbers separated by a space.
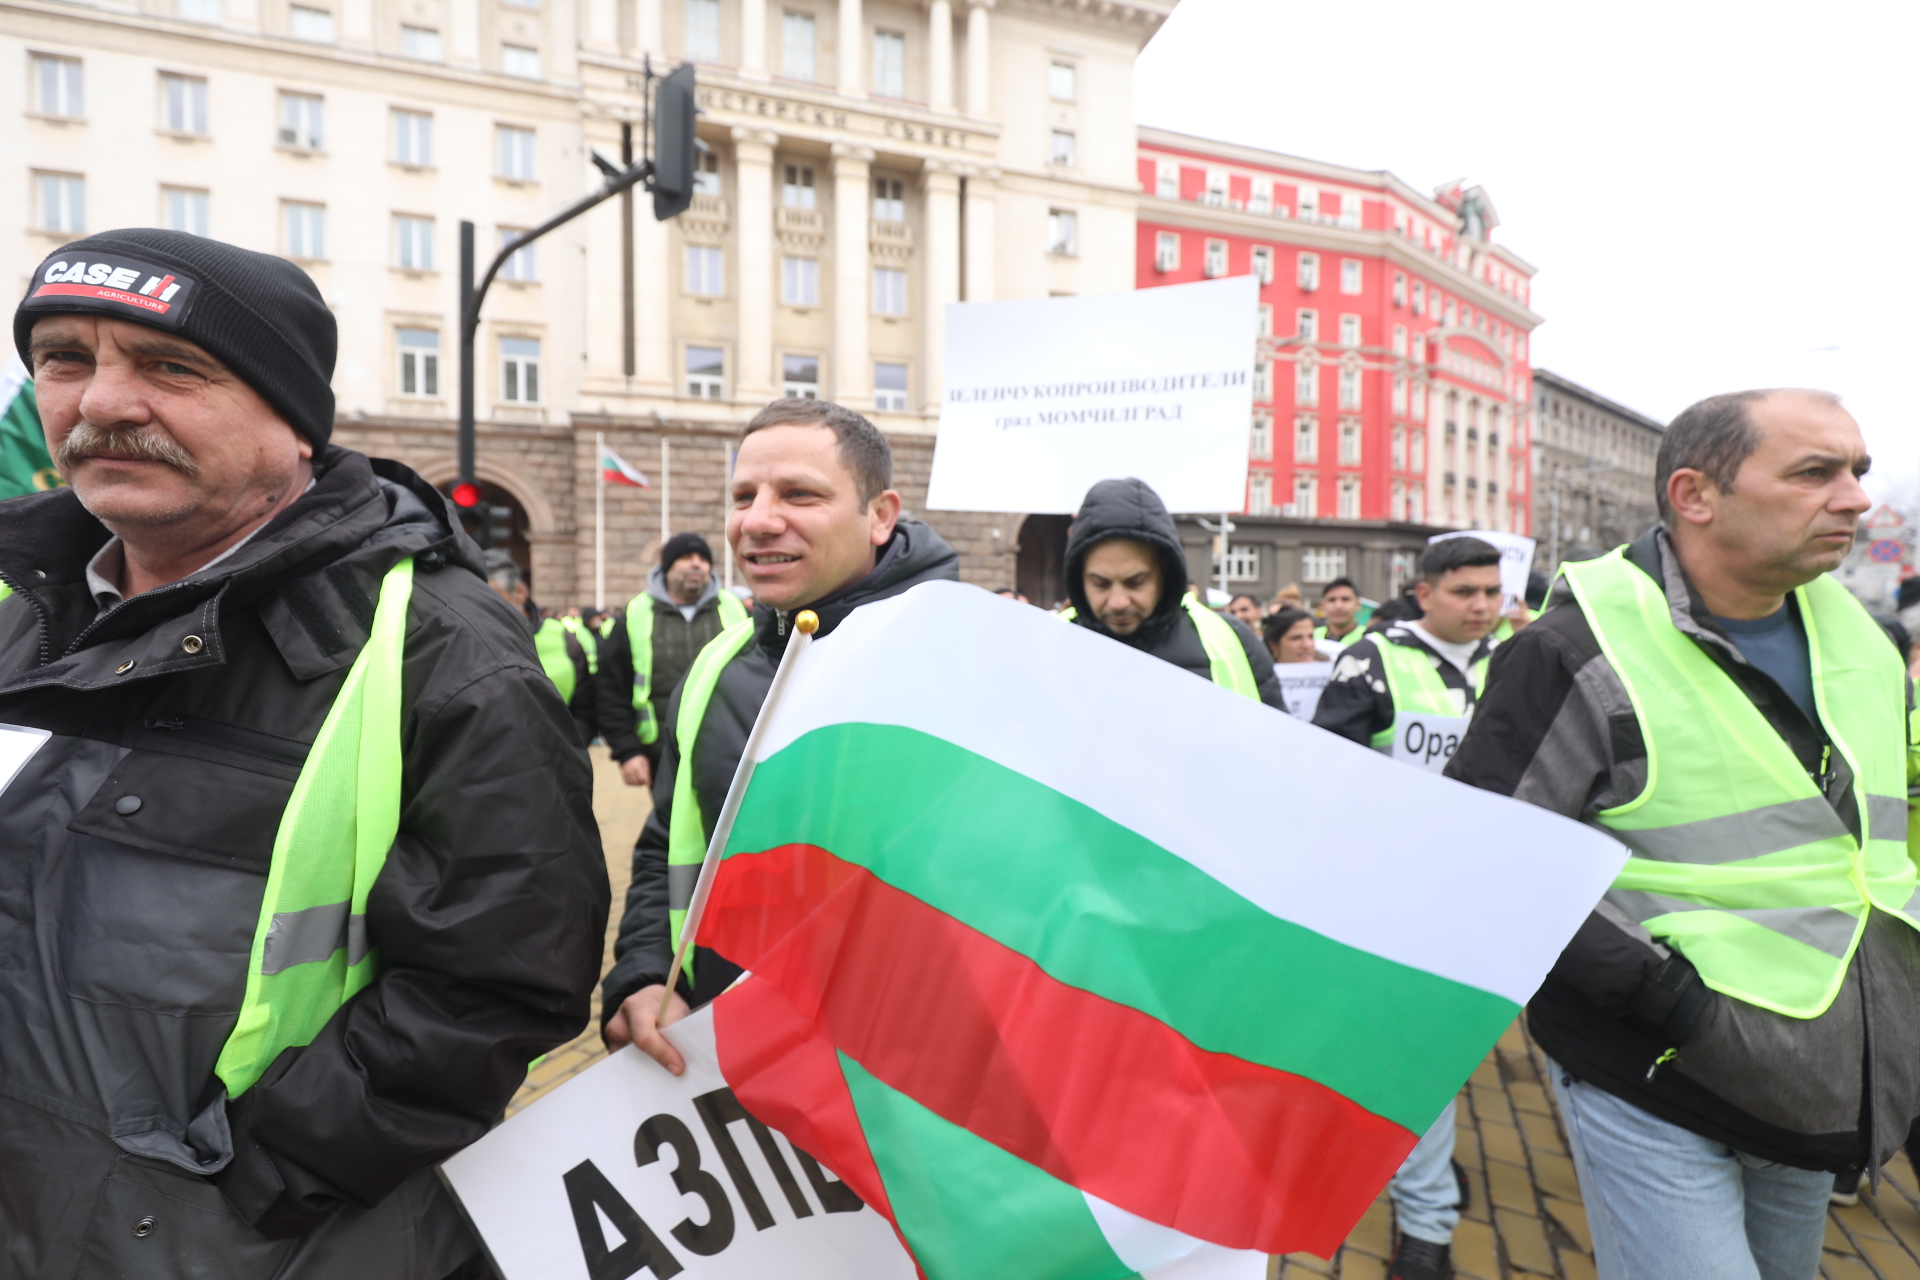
pixel 1716 196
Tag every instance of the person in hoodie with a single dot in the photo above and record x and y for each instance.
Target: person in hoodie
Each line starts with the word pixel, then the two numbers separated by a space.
pixel 815 524
pixel 1127 579
pixel 217 1058
pixel 641 661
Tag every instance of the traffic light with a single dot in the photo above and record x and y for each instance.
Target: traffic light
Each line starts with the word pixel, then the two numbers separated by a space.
pixel 466 495
pixel 674 146
pixel 497 530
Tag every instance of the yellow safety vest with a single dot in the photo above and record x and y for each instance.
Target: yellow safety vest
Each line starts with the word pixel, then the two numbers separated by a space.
pixel 1414 684
pixel 1353 636
pixel 550 644
pixel 640 643
pixel 1227 664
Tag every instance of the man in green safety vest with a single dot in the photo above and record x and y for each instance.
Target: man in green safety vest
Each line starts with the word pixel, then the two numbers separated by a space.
pixel 298 864
pixel 1739 1019
pixel 563 651
pixel 1408 690
pixel 1127 579
pixel 642 661
pixel 1340 603
pixel 815 524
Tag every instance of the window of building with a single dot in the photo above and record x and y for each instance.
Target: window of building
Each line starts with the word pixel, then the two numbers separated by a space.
pixel 1308 275
pixel 1260 494
pixel 197 10
pixel 304 230
pixel 523 4
pixel 1350 275
pixel 1322 564
pixel 796 45
pixel 521 265
pixel 706 270
pixel 889 291
pixel 889 387
pixel 1400 340
pixel 800 377
pixel 1260 441
pixel 1260 198
pixel 412 242
pixel 514 150
pixel 1063 232
pixel 312 24
pixel 1306 324
pixel 1309 205
pixel 1266 319
pixel 706 368
pixel 1061 149
pixel 1306 440
pixel 1166 179
pixel 1399 395
pixel 183 103
pixel 1166 251
pixel 1349 388
pixel 1399 449
pixel 1306 501
pixel 797 192
pixel 1349 331
pixel 889 200
pixel 1306 383
pixel 413 138
pixel 303 121
pixel 1419 401
pixel 703 30
pixel 1399 289
pixel 1349 498
pixel 1242 564
pixel 419 362
pixel 1449 320
pixel 1215 194
pixel 1262 380
pixel 706 173
pixel 1349 443
pixel 520 370
pixel 518 60
pixel 1263 263
pixel 1419 298
pixel 59 86
pixel 889 64
pixel 1216 264
pixel 800 282
pixel 1417 453
pixel 1063 81
pixel 183 209
pixel 420 42
pixel 1350 210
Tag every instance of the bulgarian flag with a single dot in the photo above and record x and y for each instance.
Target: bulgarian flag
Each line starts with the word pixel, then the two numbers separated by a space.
pixel 615 469
pixel 24 464
pixel 1016 982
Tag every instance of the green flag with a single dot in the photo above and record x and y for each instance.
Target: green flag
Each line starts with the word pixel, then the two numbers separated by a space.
pixel 24 464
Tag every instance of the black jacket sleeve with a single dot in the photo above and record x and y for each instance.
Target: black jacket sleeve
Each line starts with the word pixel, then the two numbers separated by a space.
pixel 1355 704
pixel 489 918
pixel 614 686
pixel 1262 662
pixel 642 953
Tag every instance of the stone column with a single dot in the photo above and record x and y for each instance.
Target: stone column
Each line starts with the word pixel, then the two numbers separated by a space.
pixel 753 39
pixel 653 291
pixel 982 189
pixel 852 366
pixel 940 54
pixel 853 49
pixel 978 93
pixel 753 233
pixel 940 275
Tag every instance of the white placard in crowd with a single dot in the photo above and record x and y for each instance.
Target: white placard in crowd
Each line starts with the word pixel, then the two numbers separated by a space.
pixel 1427 741
pixel 1045 396
pixel 1301 684
pixel 1516 557
pixel 588 1179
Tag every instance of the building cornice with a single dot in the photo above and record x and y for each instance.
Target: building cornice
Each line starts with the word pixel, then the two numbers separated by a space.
pixel 1568 387
pixel 1140 18
pixel 1204 149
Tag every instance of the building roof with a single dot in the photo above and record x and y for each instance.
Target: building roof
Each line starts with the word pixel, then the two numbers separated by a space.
pixel 1567 386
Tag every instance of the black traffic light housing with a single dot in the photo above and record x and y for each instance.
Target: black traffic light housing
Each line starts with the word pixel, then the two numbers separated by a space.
pixel 675 149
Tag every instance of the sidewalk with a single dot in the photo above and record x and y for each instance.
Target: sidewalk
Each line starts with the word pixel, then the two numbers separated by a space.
pixel 1526 1217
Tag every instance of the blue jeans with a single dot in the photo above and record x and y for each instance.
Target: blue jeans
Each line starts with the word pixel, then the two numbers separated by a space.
pixel 1664 1203
pixel 1425 1194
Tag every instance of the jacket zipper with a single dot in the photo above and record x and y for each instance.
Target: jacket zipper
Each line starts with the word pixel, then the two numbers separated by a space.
pixel 39 607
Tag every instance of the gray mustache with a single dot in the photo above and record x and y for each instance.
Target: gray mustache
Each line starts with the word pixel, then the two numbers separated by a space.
pixel 89 441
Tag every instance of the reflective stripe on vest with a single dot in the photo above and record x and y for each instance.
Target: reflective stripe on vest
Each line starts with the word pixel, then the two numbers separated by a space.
pixel 1415 686
pixel 310 949
pixel 1738 860
pixel 1227 664
pixel 589 643
pixel 640 643
pixel 550 643
pixel 1352 637
pixel 687 841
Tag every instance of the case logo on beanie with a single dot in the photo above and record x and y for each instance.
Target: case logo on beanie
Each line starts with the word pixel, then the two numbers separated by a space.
pixel 114 286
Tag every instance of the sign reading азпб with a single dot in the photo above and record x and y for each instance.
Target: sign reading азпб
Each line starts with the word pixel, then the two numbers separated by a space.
pixel 1046 396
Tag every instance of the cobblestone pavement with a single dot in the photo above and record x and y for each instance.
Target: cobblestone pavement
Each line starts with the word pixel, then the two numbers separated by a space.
pixel 1525 1218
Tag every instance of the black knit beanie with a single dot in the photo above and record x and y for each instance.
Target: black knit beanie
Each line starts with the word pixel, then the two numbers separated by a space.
pixel 682 545
pixel 261 315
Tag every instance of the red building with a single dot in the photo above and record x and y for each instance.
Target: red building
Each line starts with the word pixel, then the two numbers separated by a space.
pixel 1393 380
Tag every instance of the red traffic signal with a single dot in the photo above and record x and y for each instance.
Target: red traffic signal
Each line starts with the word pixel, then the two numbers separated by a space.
pixel 466 495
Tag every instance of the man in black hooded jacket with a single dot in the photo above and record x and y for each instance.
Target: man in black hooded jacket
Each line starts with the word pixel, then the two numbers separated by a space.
pixel 1147 608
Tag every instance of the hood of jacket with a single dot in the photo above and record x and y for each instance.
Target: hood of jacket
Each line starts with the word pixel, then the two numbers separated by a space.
pixel 657 588
pixel 1127 509
pixel 914 554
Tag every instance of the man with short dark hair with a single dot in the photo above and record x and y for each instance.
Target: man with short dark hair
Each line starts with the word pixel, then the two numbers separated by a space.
pixel 642 661
pixel 300 867
pixel 1246 609
pixel 1739 1019
pixel 815 524
pixel 1340 605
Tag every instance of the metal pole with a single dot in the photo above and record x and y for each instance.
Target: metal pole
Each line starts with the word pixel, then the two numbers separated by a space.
pixel 666 494
pixel 1226 527
pixel 626 254
pixel 726 500
pixel 600 520
pixel 469 321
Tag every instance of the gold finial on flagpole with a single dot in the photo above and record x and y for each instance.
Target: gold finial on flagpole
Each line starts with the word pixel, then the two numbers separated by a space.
pixel 806 622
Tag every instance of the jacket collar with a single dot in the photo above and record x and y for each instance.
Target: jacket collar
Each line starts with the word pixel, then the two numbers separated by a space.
pixel 1653 554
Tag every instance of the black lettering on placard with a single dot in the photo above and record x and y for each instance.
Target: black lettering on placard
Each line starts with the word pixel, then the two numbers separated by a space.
pixel 1427 745
pixel 640 1249
pixel 669 1130
pixel 720 1109
pixel 835 1195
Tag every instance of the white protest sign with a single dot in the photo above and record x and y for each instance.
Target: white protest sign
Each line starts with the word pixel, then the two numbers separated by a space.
pixel 18 744
pixel 1427 741
pixel 1301 683
pixel 626 1167
pixel 1045 396
pixel 1516 557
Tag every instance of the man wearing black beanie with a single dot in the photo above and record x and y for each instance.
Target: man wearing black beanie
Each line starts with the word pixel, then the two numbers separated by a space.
pixel 278 772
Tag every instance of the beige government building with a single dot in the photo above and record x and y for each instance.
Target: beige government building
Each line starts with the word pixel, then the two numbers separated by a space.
pixel 868 162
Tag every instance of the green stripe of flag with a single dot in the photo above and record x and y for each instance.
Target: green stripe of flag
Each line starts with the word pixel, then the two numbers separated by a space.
pixel 969 1209
pixel 24 465
pixel 1101 908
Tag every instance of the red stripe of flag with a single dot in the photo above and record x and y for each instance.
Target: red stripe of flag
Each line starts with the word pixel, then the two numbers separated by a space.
pixel 1101 1096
